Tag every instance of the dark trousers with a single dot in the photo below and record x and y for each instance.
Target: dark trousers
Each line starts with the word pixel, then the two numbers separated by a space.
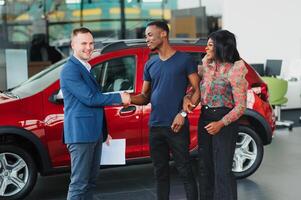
pixel 163 141
pixel 216 180
pixel 85 164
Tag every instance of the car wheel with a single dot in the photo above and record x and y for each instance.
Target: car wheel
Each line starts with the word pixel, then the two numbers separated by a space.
pixel 248 153
pixel 18 172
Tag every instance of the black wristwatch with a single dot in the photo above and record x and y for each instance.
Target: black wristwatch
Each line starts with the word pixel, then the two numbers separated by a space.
pixel 183 113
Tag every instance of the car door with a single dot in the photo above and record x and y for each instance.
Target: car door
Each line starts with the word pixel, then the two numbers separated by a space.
pixel 118 74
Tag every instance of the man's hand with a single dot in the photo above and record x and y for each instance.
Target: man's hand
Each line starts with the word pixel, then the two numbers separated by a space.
pixel 214 127
pixel 126 98
pixel 188 106
pixel 178 122
pixel 144 97
pixel 109 138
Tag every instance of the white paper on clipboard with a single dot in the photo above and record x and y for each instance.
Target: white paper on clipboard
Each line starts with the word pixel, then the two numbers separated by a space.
pixel 113 154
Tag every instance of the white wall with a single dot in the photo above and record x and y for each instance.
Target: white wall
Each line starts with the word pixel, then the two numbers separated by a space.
pixel 265 28
pixel 213 7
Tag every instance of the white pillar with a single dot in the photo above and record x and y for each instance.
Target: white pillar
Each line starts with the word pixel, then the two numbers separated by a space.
pixel 16 67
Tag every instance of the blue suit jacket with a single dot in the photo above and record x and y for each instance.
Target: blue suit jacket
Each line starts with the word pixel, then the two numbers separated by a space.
pixel 83 103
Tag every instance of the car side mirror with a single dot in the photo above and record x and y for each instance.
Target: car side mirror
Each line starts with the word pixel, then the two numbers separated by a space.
pixel 57 97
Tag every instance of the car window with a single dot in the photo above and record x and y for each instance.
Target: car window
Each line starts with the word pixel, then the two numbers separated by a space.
pixel 116 74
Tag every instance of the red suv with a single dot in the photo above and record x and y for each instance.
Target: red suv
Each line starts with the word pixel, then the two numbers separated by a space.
pixel 32 115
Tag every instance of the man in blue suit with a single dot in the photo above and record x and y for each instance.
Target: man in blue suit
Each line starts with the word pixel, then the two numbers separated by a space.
pixel 83 115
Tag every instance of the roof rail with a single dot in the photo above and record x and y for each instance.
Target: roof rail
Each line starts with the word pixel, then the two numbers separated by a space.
pixel 109 46
pixel 126 41
pixel 201 41
pixel 113 47
pixel 134 41
pixel 182 40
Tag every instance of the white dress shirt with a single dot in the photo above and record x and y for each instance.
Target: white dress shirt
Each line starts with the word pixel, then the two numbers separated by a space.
pixel 85 63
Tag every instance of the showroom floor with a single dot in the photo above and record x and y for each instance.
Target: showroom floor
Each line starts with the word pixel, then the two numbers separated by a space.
pixel 278 177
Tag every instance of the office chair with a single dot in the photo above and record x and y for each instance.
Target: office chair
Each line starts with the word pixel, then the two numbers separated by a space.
pixel 277 90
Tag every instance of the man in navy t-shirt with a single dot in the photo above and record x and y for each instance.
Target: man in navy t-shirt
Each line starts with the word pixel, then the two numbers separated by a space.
pixel 166 78
pixel 169 80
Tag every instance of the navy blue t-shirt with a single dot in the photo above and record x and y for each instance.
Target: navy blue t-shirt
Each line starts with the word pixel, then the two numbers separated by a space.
pixel 169 81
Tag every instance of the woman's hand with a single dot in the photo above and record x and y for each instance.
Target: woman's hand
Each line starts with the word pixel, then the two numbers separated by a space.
pixel 214 127
pixel 188 106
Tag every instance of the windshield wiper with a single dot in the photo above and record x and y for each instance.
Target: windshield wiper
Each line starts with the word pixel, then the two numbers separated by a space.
pixel 10 94
pixel 10 89
pixel 7 90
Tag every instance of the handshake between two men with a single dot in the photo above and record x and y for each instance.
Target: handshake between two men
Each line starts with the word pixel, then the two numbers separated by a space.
pixel 126 99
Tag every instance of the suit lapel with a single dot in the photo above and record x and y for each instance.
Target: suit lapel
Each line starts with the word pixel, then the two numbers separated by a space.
pixel 84 70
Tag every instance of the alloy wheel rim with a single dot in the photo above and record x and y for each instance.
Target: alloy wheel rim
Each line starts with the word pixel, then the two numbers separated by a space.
pixel 245 153
pixel 14 174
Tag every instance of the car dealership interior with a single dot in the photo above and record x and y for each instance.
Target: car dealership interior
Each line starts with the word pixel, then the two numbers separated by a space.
pixel 35 45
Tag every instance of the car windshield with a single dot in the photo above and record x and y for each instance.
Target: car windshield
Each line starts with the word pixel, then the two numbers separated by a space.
pixel 39 82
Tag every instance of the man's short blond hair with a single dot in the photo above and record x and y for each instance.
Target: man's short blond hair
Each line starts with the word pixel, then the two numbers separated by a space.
pixel 80 30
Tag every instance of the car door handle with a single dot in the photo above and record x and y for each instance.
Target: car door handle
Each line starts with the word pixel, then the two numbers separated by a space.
pixel 128 110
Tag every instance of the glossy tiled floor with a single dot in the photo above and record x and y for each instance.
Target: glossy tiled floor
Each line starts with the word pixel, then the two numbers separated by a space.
pixel 278 178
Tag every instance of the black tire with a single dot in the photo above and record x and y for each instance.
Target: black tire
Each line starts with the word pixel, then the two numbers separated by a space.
pixel 28 169
pixel 255 147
